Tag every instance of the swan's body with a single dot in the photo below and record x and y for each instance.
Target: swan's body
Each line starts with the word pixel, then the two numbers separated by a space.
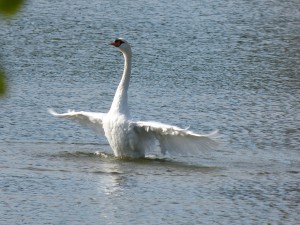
pixel 133 139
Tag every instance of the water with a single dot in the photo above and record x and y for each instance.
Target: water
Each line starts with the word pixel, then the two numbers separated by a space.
pixel 228 65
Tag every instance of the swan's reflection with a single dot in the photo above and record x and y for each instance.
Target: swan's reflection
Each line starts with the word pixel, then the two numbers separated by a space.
pixel 112 185
pixel 112 180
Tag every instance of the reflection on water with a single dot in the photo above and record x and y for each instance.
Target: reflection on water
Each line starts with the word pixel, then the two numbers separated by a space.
pixel 111 184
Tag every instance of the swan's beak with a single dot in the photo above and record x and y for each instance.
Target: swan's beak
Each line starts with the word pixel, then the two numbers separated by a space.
pixel 117 43
pixel 113 44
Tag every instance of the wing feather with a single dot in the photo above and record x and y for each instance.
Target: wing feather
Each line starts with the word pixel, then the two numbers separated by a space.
pixel 176 140
pixel 89 119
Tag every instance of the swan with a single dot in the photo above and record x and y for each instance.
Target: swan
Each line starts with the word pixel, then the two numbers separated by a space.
pixel 133 139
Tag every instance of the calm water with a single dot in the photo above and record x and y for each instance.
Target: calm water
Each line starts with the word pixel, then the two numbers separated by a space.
pixel 228 65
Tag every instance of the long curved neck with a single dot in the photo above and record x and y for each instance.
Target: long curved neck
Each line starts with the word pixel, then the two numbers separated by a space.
pixel 119 104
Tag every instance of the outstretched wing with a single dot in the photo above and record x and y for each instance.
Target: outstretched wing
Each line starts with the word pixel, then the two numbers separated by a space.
pixel 88 119
pixel 176 140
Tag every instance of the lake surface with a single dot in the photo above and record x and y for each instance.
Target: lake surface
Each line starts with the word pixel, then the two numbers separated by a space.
pixel 227 65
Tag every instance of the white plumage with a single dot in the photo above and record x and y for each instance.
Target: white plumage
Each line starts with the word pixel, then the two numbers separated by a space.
pixel 133 139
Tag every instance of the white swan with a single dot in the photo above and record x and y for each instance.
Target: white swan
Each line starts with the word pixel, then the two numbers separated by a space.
pixel 132 139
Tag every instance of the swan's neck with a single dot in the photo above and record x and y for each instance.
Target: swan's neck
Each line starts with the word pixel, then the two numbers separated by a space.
pixel 120 104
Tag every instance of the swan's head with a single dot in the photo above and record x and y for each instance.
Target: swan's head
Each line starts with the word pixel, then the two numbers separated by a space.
pixel 122 45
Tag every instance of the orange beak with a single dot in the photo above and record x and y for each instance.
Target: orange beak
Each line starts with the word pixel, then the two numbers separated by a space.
pixel 113 43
